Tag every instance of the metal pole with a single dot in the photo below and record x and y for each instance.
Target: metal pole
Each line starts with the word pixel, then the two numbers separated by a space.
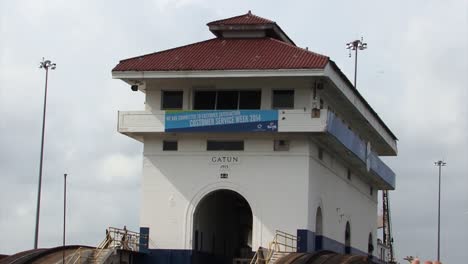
pixel 355 66
pixel 64 212
pixel 438 222
pixel 38 208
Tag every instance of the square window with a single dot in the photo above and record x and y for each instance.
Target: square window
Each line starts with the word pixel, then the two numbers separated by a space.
pixel 281 145
pixel 217 145
pixel 172 99
pixel 170 145
pixel 283 99
pixel 204 100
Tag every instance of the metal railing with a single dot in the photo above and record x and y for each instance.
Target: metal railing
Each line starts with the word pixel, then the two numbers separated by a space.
pixel 78 256
pixel 282 243
pixel 116 238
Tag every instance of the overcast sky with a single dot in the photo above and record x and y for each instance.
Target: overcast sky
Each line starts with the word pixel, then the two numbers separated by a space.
pixel 414 74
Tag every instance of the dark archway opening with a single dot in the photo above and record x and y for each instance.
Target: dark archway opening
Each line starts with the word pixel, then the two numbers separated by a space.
pixel 222 228
pixel 318 229
pixel 370 246
pixel 348 239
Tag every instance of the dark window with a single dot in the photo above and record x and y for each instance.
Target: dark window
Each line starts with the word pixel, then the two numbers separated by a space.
pixel 170 145
pixel 172 99
pixel 283 99
pixel 320 153
pixel 371 191
pixel 281 145
pixel 224 145
pixel 227 100
pixel 349 174
pixel 250 99
pixel 204 100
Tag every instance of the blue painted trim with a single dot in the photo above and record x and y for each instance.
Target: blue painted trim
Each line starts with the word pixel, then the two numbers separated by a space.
pixel 165 256
pixel 306 242
pixel 353 143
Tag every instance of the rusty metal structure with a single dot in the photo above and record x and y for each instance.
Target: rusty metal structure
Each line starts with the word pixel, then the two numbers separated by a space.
pixel 387 226
pixel 323 257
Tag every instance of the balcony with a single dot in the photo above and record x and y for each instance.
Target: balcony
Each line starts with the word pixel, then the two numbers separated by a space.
pixel 329 129
pixel 360 154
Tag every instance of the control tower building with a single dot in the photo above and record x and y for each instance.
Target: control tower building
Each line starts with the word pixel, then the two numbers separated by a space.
pixel 245 134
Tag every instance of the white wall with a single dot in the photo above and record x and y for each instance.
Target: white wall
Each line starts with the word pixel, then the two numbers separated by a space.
pixel 274 184
pixel 282 188
pixel 341 200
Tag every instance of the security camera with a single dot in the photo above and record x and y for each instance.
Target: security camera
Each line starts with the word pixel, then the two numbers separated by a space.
pixel 134 88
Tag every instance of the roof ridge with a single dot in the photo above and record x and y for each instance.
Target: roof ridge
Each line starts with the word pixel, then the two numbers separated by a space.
pixel 234 17
pixel 167 50
pixel 297 47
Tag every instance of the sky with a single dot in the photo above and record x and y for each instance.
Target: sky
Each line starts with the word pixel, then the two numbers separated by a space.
pixel 414 75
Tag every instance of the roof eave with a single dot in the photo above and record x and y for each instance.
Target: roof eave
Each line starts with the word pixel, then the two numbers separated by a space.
pixel 141 75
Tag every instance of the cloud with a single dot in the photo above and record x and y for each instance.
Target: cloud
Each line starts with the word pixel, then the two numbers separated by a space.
pixel 413 74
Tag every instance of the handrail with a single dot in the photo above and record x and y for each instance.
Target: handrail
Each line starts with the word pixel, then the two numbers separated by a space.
pixel 76 256
pixel 282 243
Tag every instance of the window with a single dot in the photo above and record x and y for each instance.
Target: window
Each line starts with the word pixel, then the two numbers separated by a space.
pixel 283 99
pixel 320 153
pixel 224 145
pixel 281 145
pixel 250 99
pixel 227 100
pixel 205 100
pixel 170 145
pixel 172 99
pixel 349 174
pixel 371 191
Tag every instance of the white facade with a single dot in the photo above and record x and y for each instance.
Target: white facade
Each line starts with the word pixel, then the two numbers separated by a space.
pixel 284 188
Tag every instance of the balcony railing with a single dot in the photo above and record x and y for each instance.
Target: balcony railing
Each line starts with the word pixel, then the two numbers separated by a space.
pixel 347 137
pixel 378 167
pixel 358 147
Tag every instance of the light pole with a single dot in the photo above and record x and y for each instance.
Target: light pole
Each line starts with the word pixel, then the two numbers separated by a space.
pixel 45 64
pixel 440 164
pixel 356 45
pixel 64 213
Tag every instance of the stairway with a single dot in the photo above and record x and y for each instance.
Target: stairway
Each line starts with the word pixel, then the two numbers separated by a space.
pixel 100 256
pixel 277 255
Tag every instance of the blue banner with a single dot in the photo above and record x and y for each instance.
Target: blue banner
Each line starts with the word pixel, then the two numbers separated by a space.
pixel 222 121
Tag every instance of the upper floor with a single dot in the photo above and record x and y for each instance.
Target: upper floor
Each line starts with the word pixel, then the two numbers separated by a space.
pixel 252 78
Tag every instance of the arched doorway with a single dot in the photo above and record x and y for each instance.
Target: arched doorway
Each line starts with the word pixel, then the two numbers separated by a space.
pixel 370 245
pixel 348 239
pixel 222 228
pixel 318 229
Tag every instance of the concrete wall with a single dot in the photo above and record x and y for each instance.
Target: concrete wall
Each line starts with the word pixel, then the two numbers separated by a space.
pixel 341 200
pixel 283 188
pixel 274 184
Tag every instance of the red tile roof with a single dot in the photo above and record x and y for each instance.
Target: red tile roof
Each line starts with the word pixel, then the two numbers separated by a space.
pixel 247 19
pixel 227 54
